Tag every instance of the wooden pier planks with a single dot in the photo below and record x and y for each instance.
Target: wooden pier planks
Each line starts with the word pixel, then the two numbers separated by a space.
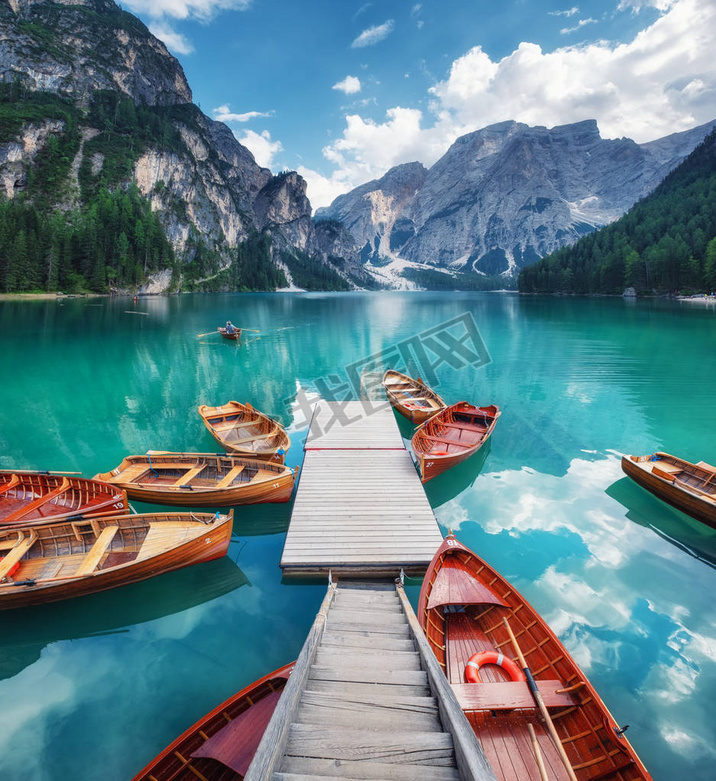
pixel 374 715
pixel 360 507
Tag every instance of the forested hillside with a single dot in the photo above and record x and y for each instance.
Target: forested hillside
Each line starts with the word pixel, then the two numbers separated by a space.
pixel 665 244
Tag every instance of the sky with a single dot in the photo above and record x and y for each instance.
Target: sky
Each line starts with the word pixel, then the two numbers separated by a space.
pixel 342 91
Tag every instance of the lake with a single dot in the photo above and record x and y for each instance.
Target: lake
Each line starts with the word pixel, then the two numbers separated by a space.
pixel 95 687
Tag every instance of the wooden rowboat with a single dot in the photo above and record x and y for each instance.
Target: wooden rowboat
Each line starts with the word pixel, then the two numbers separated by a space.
pixel 28 498
pixel 69 558
pixel 235 336
pixel 461 608
pixel 201 479
pixel 243 430
pixel 689 487
pixel 412 398
pixel 451 436
pixel 221 745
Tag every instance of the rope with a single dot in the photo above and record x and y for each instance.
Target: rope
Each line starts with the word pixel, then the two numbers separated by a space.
pixel 151 466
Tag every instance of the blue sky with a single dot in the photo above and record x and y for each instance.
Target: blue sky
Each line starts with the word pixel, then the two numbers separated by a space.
pixel 341 91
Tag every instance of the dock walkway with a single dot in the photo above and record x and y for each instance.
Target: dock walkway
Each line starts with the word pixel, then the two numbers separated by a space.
pixel 360 507
pixel 368 700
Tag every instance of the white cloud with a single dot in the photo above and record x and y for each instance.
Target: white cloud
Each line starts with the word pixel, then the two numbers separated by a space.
pixel 261 146
pixel 581 23
pixel 637 5
pixel 224 114
pixel 373 35
pixel 350 85
pixel 662 81
pixel 185 9
pixel 175 42
pixel 569 12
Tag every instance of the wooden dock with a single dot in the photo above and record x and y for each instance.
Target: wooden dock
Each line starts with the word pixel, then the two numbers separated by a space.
pixel 360 507
pixel 368 700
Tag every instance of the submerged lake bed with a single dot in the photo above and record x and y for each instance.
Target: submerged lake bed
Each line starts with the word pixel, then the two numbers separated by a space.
pixel 624 580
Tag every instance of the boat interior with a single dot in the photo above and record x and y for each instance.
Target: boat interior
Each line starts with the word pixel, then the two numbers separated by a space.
pixel 202 475
pixel 699 478
pixel 465 429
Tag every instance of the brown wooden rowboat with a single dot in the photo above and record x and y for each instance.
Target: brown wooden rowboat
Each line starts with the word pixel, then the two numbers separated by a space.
pixel 235 336
pixel 689 487
pixel 28 498
pixel 451 436
pixel 201 479
pixel 243 430
pixel 71 558
pixel 413 399
pixel 221 745
pixel 461 608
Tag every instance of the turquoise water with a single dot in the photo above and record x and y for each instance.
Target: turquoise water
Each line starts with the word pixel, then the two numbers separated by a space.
pixel 95 687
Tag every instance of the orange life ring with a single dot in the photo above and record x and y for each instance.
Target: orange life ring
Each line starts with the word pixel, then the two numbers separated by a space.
pixel 15 567
pixel 439 453
pixel 472 668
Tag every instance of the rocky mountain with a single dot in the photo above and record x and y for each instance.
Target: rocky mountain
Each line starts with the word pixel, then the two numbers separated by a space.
pixel 91 102
pixel 504 196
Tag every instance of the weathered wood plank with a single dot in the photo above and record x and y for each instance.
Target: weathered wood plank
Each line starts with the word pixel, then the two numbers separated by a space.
pixel 471 759
pixel 357 658
pixel 425 748
pixel 338 714
pixel 372 641
pixel 368 675
pixel 312 769
pixel 366 689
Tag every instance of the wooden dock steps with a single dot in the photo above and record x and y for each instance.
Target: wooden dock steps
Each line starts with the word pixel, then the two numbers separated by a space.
pixel 368 700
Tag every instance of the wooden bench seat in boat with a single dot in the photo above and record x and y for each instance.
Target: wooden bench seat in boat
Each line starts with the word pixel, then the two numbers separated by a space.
pixel 11 483
pixel 7 543
pixel 19 549
pixel 509 695
pixel 271 433
pixel 189 476
pixel 91 560
pixel 229 478
pixel 706 466
pixel 26 509
pixel 663 466
pixel 448 441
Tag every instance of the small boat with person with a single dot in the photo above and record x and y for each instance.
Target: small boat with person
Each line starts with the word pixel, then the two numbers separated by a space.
pixel 201 479
pixel 221 744
pixel 413 399
pixel 230 331
pixel 527 700
pixel 71 558
pixel 689 487
pixel 244 431
pixel 451 436
pixel 31 498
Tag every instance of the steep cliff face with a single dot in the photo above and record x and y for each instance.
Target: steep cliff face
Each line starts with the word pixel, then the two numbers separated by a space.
pixel 90 80
pixel 506 195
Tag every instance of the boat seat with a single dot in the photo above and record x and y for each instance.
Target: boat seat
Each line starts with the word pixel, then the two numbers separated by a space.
pixel 189 476
pixel 11 483
pixel 664 475
pixel 665 467
pixel 26 509
pixel 8 543
pixel 229 478
pixel 91 560
pixel 20 548
pixel 449 441
pixel 509 695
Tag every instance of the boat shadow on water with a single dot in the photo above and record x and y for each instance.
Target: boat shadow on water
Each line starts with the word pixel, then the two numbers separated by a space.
pixel 26 631
pixel 452 483
pixel 687 534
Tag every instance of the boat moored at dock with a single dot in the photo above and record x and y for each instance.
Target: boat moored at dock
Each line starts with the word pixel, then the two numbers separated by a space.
pixel 472 618
pixel 201 479
pixel 413 399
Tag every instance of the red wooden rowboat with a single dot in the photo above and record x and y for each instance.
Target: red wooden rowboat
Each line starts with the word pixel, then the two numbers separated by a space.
pixel 70 558
pixel 689 487
pixel 462 605
pixel 221 745
pixel 28 498
pixel 452 436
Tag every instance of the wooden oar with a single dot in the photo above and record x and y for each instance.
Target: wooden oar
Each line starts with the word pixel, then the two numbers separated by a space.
pixel 538 752
pixel 40 471
pixel 209 333
pixel 540 704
